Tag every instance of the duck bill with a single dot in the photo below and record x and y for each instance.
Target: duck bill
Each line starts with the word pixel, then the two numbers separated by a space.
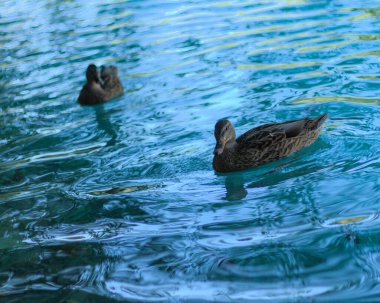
pixel 219 148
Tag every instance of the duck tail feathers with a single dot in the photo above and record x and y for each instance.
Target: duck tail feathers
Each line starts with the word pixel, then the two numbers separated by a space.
pixel 317 122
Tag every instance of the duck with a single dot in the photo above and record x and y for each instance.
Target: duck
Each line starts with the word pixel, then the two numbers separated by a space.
pixel 262 144
pixel 101 85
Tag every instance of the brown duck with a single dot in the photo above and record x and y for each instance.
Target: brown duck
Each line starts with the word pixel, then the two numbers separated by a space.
pixel 262 144
pixel 101 85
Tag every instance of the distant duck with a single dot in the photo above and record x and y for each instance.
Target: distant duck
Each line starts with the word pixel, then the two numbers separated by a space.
pixel 263 143
pixel 100 86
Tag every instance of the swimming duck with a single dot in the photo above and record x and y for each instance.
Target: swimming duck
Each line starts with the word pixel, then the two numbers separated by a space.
pixel 100 86
pixel 262 144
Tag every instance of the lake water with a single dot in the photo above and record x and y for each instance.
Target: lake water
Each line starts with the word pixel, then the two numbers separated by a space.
pixel 119 202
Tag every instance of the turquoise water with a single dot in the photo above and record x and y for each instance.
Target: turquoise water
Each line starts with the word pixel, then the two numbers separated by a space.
pixel 119 202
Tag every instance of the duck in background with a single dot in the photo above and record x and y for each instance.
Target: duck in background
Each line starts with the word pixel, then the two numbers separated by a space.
pixel 263 143
pixel 101 85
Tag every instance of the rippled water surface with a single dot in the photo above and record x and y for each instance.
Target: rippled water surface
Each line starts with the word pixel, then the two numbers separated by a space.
pixel 119 202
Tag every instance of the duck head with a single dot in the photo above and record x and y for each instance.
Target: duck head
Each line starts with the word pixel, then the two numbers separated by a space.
pixel 224 135
pixel 92 74
pixel 108 71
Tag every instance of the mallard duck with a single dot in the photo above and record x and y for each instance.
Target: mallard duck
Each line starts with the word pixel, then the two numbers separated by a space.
pixel 262 144
pixel 100 86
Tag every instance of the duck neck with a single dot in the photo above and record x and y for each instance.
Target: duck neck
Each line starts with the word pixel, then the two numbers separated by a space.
pixel 230 146
pixel 223 162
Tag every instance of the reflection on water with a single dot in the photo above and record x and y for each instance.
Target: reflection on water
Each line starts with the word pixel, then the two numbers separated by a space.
pixel 105 124
pixel 118 202
pixel 235 188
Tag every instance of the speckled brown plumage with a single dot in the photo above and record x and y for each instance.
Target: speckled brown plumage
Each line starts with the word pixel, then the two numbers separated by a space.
pixel 100 86
pixel 263 143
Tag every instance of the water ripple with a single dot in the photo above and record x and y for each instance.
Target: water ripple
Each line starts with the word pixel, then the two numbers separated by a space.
pixel 119 202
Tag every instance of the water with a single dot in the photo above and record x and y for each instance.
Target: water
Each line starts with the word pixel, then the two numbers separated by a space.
pixel 119 202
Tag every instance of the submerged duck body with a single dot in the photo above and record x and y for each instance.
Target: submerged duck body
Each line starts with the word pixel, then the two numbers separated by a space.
pixel 101 85
pixel 262 144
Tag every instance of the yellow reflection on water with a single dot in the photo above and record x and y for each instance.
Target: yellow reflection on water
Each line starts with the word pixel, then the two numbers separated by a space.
pixel 363 54
pixel 278 66
pixel 350 220
pixel 369 77
pixel 312 74
pixel 338 99
pixel 323 47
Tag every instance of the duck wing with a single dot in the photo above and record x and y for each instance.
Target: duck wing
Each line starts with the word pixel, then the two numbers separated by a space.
pixel 267 134
pixel 109 77
pixel 260 138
